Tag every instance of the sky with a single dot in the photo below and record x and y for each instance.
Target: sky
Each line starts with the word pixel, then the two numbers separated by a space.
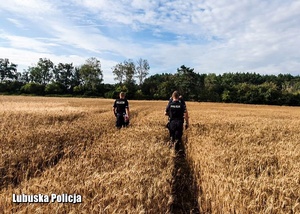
pixel 211 36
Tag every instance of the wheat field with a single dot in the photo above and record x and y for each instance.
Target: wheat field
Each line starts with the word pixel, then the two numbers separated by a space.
pixel 238 158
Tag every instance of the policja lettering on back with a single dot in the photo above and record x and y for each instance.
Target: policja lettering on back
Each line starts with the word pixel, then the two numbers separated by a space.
pixel 120 102
pixel 175 106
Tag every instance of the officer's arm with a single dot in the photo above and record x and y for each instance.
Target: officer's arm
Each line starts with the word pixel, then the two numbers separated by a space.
pixel 168 106
pixel 114 108
pixel 167 109
pixel 186 113
pixel 184 104
pixel 114 111
pixel 127 111
pixel 186 117
pixel 127 108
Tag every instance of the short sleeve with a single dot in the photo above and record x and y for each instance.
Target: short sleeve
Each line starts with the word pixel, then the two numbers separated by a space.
pixel 168 107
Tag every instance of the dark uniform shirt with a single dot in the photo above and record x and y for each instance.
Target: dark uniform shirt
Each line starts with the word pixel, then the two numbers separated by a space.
pixel 181 100
pixel 176 110
pixel 121 105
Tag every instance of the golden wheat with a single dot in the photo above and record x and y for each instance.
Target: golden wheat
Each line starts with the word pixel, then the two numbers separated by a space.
pixel 244 158
pixel 71 146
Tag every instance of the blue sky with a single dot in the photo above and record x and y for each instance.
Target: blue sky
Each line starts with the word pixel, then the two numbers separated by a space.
pixel 211 36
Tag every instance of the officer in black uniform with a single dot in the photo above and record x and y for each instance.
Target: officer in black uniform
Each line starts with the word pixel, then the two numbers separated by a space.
pixel 177 113
pixel 121 111
pixel 181 100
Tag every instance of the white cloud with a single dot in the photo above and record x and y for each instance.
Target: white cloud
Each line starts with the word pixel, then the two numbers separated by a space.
pixel 31 57
pixel 211 36
pixel 28 9
pixel 16 22
pixel 33 44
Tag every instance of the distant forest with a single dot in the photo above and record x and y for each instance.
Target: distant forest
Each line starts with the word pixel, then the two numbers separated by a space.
pixel 64 79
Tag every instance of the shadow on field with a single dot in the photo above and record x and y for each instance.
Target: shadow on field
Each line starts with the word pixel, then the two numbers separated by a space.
pixel 184 188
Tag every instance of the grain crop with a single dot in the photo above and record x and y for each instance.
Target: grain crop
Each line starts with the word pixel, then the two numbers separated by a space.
pixel 238 158
pixel 245 158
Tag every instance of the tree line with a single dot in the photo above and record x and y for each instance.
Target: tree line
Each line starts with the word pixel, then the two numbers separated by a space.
pixel 65 79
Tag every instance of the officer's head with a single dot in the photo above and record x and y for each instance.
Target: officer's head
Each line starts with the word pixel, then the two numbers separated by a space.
pixel 122 95
pixel 175 95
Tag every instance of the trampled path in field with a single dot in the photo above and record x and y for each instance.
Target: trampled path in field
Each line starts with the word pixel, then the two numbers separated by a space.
pixel 184 188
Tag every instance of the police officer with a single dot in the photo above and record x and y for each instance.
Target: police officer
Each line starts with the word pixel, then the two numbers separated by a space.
pixel 177 113
pixel 181 100
pixel 121 111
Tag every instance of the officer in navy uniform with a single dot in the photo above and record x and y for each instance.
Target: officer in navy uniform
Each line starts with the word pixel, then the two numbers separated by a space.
pixel 121 111
pixel 177 112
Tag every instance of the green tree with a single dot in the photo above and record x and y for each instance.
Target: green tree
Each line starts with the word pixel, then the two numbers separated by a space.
pixel 63 74
pixel 119 72
pixel 270 93
pixel 226 96
pixel 76 79
pixel 284 82
pixel 33 88
pixel 91 74
pixel 8 71
pixel 54 88
pixel 296 87
pixel 35 74
pixel 189 83
pixel 124 72
pixel 142 69
pixel 129 68
pixel 165 89
pixel 212 88
pixel 41 73
pixel 25 76
pixel 158 86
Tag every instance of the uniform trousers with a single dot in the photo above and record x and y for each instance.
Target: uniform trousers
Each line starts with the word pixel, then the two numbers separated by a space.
pixel 176 129
pixel 121 121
